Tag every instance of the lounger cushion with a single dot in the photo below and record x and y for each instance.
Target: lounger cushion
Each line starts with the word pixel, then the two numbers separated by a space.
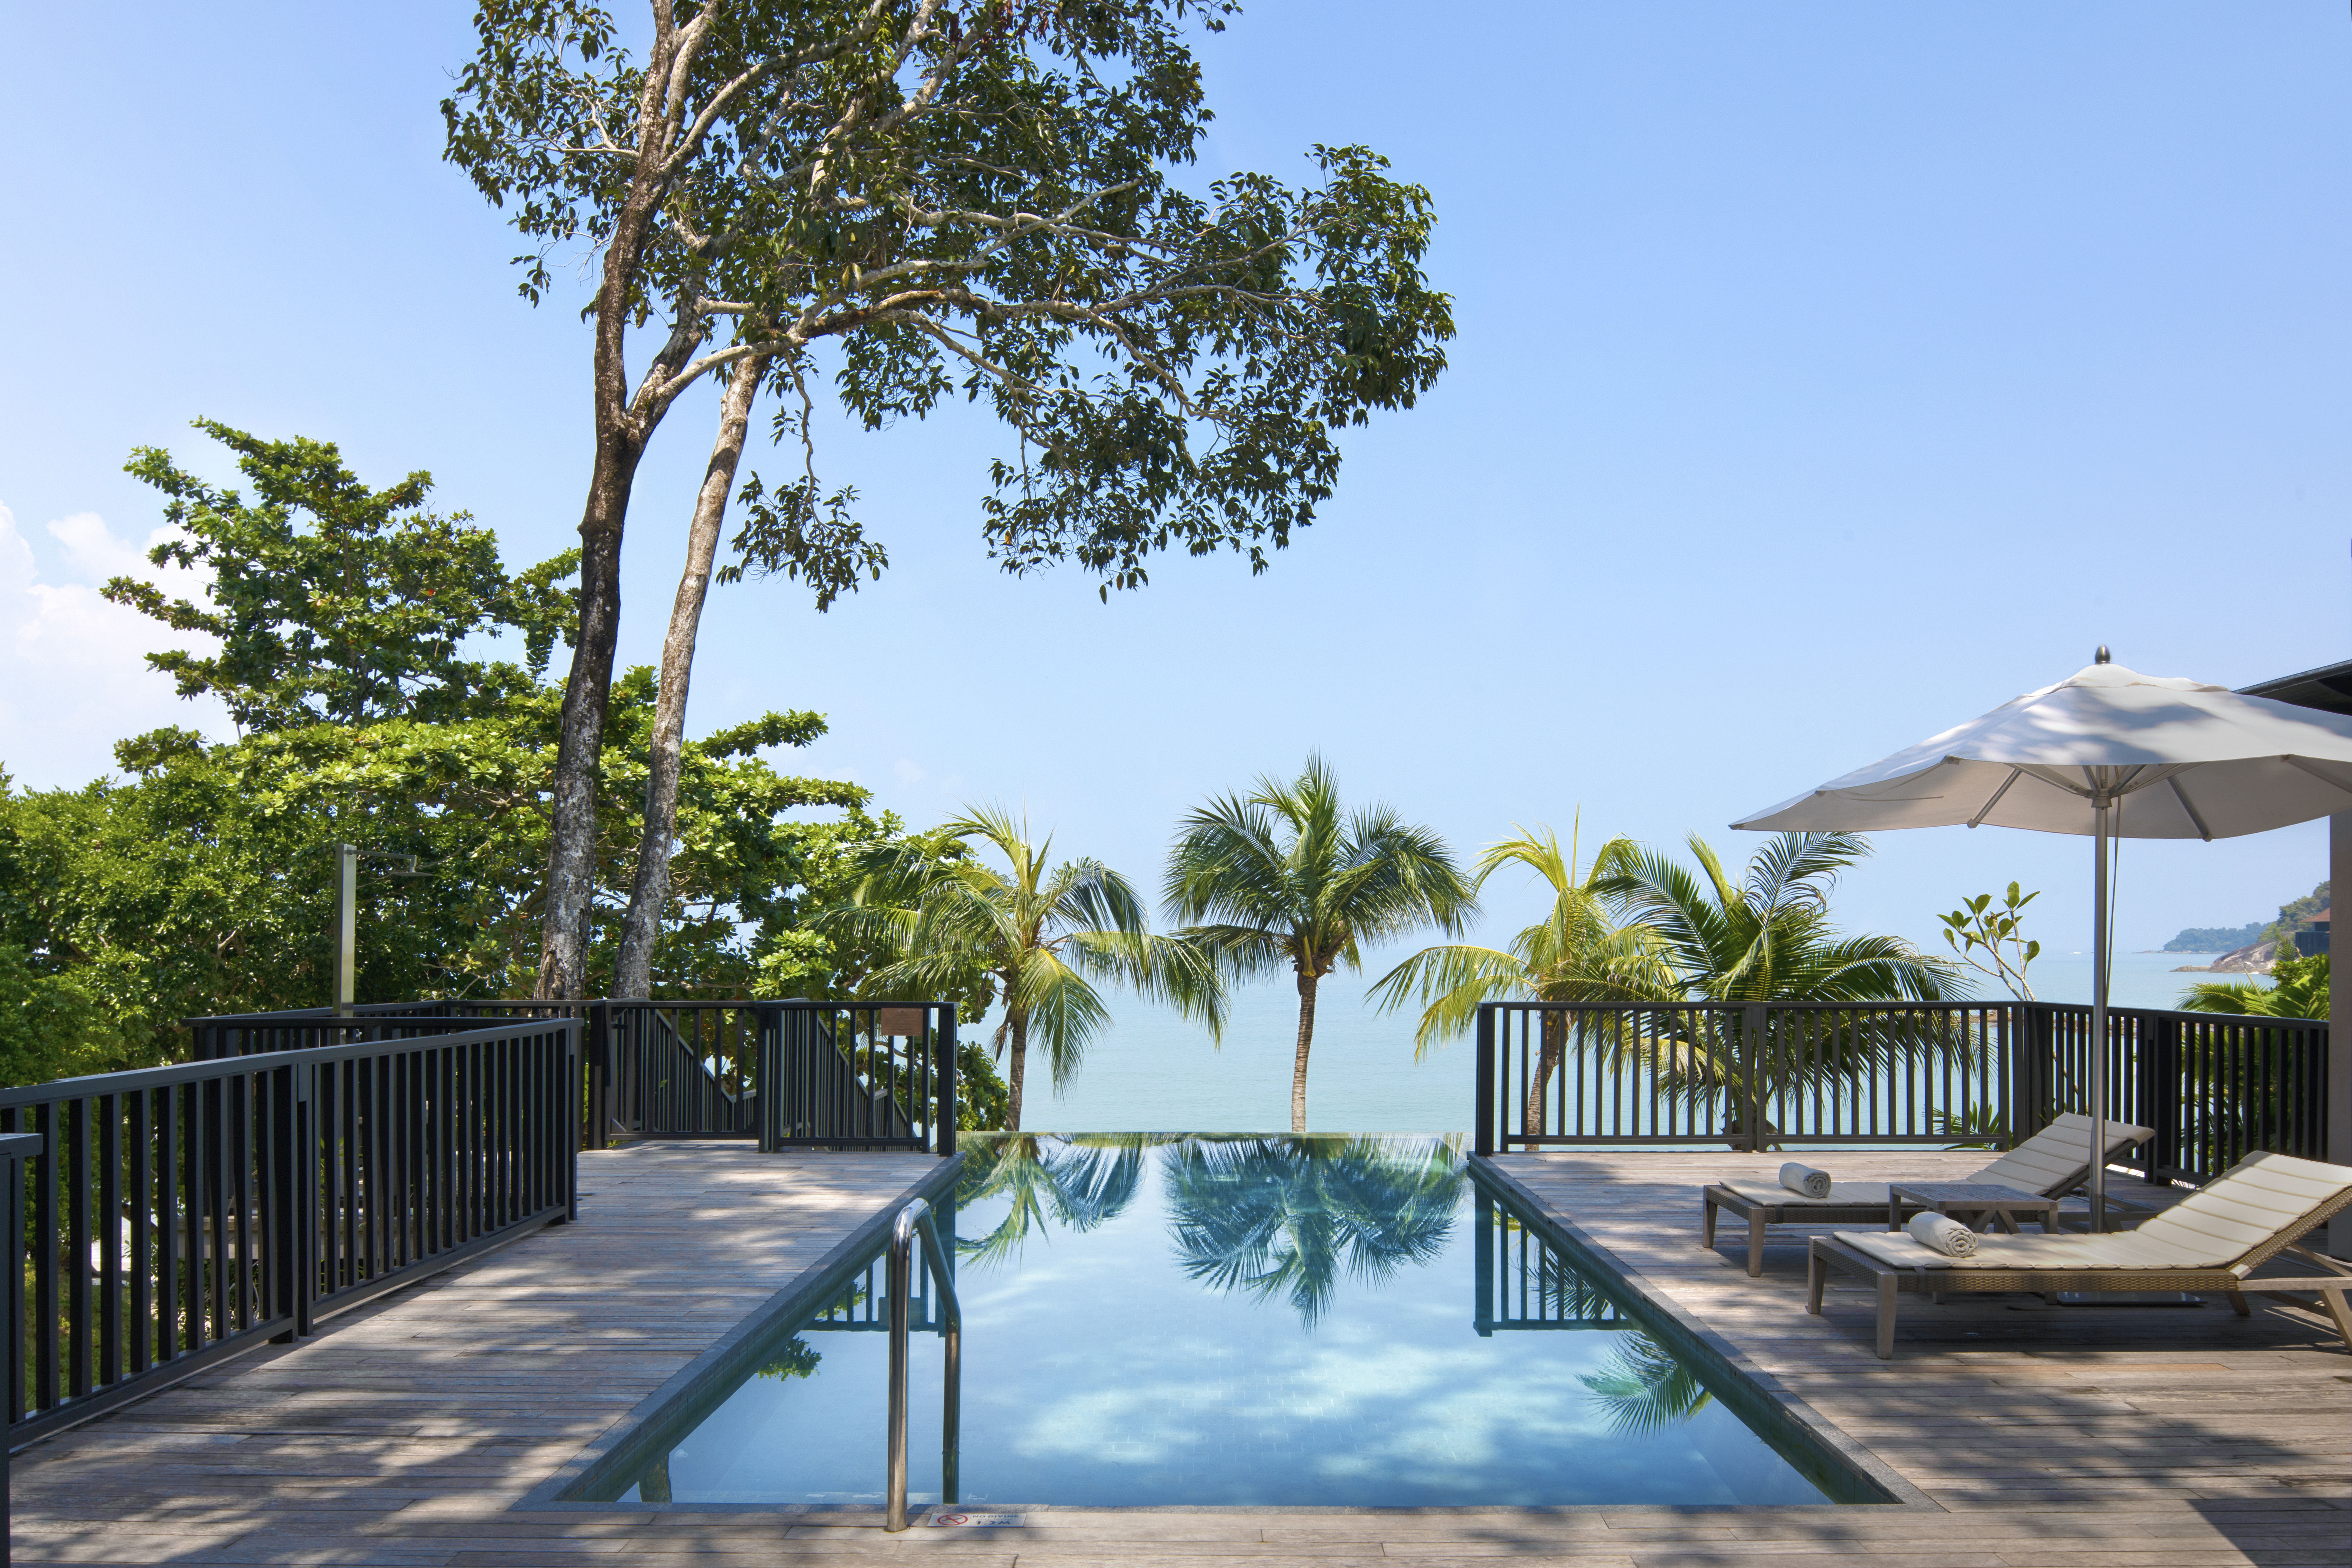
pixel 2125 1250
pixel 2261 1201
pixel 1843 1194
pixel 2058 1156
pixel 2255 1202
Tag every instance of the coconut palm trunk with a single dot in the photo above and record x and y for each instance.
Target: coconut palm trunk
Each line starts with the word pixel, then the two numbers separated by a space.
pixel 1016 1070
pixel 1032 933
pixel 1284 879
pixel 1548 1060
pixel 1307 986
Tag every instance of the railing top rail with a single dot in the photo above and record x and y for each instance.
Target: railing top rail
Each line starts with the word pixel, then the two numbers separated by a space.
pixel 422 1010
pixel 858 1005
pixel 262 1062
pixel 2082 1009
pixel 2252 1020
pixel 1701 1003
pixel 363 1010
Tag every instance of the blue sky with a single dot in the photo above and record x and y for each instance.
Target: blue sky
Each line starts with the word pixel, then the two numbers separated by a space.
pixel 1828 374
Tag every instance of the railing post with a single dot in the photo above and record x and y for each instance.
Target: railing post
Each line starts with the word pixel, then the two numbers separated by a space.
pixel 282 1202
pixel 1486 1113
pixel 772 1074
pixel 572 1090
pixel 2034 1047
pixel 304 1181
pixel 597 1052
pixel 15 1148
pixel 2159 1096
pixel 1752 1024
pixel 944 1140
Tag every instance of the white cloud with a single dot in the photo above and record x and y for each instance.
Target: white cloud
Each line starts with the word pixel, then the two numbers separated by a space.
pixel 76 678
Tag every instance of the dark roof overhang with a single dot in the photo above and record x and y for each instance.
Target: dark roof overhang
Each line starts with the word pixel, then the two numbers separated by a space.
pixel 2328 687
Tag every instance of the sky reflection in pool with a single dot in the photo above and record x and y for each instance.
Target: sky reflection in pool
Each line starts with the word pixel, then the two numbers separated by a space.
pixel 1237 1321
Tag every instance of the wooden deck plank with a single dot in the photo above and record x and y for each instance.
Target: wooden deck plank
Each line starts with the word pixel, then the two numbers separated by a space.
pixel 408 1435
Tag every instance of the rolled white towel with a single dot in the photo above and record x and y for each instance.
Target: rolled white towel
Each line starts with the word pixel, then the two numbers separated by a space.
pixel 1940 1233
pixel 1805 1179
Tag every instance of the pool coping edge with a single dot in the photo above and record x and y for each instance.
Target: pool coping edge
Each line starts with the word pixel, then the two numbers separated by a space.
pixel 627 1441
pixel 618 1444
pixel 1840 1446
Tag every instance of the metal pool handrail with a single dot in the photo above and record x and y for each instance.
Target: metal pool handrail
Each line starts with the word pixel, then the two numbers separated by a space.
pixel 917 1216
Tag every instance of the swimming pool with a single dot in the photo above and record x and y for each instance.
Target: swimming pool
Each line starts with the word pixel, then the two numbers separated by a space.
pixel 1237 1321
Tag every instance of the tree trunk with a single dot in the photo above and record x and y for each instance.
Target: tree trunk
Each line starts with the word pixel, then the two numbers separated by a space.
pixel 1015 1069
pixel 571 829
pixel 1306 982
pixel 1547 1063
pixel 633 975
pixel 623 427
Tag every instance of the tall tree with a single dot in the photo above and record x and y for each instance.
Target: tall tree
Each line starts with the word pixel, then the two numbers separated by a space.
pixel 346 621
pixel 941 198
pixel 1284 879
pixel 1035 934
pixel 649 890
pixel 333 601
pixel 1576 952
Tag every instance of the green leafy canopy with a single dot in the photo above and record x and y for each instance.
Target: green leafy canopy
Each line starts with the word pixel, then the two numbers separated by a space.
pixel 906 203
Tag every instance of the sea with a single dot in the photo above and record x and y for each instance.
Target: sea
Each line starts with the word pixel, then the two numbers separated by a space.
pixel 1153 1071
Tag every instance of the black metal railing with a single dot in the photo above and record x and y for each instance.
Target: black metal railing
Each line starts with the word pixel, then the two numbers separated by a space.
pixel 1773 1075
pixel 251 1034
pixel 876 1075
pixel 676 1069
pixel 175 1216
pixel 864 1076
pixel 16 1149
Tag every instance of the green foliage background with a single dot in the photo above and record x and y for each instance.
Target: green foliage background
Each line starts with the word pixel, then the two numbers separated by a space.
pixel 353 648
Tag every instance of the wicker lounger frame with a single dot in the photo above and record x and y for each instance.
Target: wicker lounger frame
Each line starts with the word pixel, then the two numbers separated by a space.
pixel 1891 1279
pixel 1759 1213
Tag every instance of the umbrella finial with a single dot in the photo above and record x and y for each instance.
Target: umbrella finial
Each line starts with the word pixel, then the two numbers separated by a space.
pixel 2103 657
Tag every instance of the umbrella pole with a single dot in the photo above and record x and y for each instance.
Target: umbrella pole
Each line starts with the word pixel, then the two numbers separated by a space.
pixel 2098 1107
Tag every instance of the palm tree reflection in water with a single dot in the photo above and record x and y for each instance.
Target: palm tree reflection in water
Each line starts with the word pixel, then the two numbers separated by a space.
pixel 1644 1389
pixel 1079 1182
pixel 1289 1215
pixel 1281 1215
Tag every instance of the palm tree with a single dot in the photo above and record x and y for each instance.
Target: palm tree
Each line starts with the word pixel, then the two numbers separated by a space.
pixel 1034 934
pixel 1766 938
pixel 1274 1215
pixel 1575 953
pixel 2299 990
pixel 1280 878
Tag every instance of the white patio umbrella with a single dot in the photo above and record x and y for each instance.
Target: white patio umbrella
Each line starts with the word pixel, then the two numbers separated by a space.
pixel 2111 753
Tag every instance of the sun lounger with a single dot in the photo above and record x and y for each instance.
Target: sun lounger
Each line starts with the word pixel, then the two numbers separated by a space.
pixel 2055 1161
pixel 2206 1244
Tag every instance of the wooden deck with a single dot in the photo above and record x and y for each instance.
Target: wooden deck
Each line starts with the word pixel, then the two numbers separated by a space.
pixel 406 1434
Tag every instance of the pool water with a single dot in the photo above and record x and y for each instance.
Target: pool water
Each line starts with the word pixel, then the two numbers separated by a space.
pixel 1243 1321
